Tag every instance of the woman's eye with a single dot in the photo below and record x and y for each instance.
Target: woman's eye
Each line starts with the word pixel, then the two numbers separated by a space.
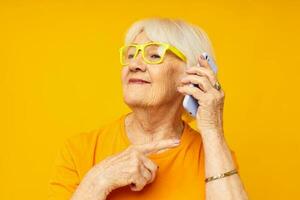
pixel 130 56
pixel 155 56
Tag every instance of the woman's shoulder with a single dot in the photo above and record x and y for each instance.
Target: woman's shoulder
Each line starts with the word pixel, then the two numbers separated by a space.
pixel 87 138
pixel 83 138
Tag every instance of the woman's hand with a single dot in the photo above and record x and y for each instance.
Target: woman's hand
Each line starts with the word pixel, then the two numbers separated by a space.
pixel 129 167
pixel 218 158
pixel 211 101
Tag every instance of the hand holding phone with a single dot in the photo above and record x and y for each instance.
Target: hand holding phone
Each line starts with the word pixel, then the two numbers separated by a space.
pixel 189 102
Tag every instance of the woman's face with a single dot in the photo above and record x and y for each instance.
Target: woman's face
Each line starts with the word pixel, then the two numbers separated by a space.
pixel 162 79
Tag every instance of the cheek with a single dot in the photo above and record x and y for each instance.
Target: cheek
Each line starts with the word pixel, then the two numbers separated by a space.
pixel 124 73
pixel 168 78
pixel 171 75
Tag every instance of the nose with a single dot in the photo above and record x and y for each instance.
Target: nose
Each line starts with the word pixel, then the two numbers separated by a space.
pixel 137 63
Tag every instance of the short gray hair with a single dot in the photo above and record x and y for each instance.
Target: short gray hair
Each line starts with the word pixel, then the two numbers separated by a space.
pixel 190 39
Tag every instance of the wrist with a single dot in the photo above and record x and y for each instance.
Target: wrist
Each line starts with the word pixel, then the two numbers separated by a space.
pixel 104 188
pixel 100 186
pixel 92 189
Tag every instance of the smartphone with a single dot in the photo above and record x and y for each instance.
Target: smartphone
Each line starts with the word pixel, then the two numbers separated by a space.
pixel 191 104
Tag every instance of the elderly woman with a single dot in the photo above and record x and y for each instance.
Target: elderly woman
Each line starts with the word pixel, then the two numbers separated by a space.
pixel 151 152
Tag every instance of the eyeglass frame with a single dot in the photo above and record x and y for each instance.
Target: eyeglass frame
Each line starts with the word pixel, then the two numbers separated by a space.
pixel 142 48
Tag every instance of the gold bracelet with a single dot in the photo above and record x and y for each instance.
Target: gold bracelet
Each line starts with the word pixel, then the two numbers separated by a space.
pixel 221 175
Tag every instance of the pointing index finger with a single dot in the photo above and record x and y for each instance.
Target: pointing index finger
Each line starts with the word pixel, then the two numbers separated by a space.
pixel 156 146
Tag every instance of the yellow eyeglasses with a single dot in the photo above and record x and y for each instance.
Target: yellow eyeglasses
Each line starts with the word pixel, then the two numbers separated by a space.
pixel 152 52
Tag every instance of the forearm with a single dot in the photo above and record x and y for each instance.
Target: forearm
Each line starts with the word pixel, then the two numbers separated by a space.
pixel 218 160
pixel 87 191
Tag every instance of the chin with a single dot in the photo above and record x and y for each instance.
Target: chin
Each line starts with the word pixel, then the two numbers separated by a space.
pixel 143 97
pixel 134 101
pixel 138 100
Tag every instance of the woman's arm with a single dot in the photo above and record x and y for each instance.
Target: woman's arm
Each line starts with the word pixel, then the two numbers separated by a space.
pixel 130 167
pixel 218 160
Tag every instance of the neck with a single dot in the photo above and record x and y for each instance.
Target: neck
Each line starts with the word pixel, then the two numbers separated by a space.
pixel 145 125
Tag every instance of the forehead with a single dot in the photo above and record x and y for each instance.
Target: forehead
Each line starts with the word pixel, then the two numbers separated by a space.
pixel 141 38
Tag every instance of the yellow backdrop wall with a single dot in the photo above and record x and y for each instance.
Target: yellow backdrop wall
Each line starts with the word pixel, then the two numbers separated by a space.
pixel 60 75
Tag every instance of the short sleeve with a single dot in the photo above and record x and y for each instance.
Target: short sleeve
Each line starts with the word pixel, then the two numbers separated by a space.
pixel 65 178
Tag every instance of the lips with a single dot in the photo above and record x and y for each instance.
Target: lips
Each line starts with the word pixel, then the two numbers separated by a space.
pixel 136 80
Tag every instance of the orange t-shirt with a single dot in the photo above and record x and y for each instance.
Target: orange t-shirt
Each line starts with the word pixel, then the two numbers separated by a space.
pixel 180 174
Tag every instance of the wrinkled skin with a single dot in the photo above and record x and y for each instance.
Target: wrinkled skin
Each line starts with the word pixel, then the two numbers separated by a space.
pixel 157 110
pixel 164 79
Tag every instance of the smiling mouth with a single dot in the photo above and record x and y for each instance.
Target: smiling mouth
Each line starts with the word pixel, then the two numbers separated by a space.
pixel 138 81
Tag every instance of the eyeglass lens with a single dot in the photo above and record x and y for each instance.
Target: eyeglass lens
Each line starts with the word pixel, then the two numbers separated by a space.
pixel 153 53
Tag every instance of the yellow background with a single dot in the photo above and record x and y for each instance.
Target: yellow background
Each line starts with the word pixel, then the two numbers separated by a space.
pixel 60 75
